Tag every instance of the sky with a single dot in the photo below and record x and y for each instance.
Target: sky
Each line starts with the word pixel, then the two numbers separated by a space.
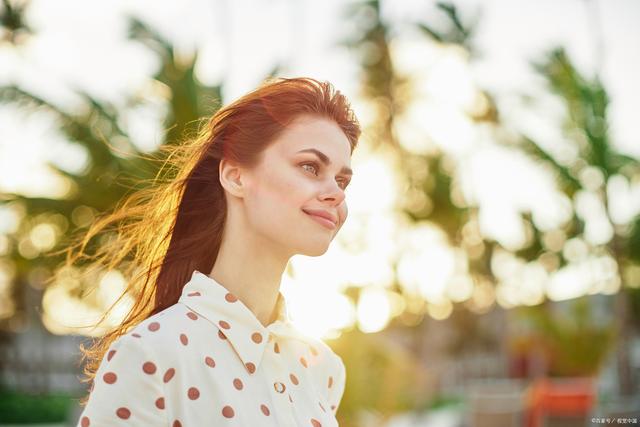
pixel 83 44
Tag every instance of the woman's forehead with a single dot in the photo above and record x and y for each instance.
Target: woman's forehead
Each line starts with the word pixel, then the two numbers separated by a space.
pixel 315 133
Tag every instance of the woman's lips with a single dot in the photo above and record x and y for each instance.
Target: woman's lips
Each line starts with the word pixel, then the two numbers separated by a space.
pixel 323 221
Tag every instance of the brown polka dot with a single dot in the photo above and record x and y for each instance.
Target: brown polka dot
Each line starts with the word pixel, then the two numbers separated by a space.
pixel 333 407
pixel 86 423
pixel 314 351
pixel 177 423
pixel 250 367
pixel 153 326
pixel 330 381
pixel 294 379
pixel 149 368
pixel 227 411
pixel 168 375
pixel 110 377
pixel 322 407
pixel 135 335
pixel 209 361
pixel 110 355
pixel 256 337
pixel 315 423
pixel 191 315
pixel 221 335
pixel 290 400
pixel 160 403
pixel 194 294
pixel 123 413
pixel 230 297
pixel 263 408
pixel 237 383
pixel 303 361
pixel 193 393
pixel 224 325
pixel 276 348
pixel 184 339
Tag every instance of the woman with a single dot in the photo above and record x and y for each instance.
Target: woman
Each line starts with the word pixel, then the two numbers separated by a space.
pixel 208 340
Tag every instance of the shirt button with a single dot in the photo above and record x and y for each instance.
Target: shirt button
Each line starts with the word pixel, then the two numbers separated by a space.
pixel 279 387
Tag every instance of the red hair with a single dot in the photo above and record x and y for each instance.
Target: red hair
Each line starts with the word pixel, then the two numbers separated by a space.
pixel 166 231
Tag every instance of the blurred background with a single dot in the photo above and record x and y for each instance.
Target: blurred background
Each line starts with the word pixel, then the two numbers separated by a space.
pixel 489 270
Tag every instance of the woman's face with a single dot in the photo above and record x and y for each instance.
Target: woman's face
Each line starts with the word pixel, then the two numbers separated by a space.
pixel 304 171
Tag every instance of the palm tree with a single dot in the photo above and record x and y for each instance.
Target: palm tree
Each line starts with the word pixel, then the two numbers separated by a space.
pixel 116 166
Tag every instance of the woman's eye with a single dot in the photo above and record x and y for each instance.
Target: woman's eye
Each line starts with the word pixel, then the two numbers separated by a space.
pixel 312 165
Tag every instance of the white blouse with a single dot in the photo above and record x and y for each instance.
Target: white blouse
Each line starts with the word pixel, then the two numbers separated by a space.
pixel 208 361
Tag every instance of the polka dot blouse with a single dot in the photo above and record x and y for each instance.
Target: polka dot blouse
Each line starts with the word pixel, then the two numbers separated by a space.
pixel 207 360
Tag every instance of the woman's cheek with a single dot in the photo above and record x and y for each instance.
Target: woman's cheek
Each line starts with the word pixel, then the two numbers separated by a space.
pixel 343 212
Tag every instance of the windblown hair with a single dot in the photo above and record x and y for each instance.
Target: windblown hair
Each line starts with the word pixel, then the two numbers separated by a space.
pixel 164 232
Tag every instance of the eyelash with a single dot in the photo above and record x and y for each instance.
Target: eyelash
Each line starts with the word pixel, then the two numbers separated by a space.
pixel 345 182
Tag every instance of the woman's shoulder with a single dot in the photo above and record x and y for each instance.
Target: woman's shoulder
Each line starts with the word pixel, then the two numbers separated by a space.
pixel 155 330
pixel 320 350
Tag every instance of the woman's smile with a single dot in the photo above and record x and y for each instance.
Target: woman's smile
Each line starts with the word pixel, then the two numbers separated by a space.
pixel 321 220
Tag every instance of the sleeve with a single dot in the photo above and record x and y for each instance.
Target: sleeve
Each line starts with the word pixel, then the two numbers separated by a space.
pixel 127 388
pixel 338 378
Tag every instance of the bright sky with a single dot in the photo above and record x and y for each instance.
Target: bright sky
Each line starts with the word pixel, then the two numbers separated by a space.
pixel 83 44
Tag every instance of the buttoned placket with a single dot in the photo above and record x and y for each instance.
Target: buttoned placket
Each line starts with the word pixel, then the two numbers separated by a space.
pixel 279 389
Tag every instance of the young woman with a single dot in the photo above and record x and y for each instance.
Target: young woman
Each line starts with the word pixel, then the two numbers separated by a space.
pixel 208 340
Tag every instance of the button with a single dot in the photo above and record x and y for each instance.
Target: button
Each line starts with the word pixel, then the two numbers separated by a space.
pixel 279 387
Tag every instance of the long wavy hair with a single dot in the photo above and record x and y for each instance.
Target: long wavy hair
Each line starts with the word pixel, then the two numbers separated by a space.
pixel 159 235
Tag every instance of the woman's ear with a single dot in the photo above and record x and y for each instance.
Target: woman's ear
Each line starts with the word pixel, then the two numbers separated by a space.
pixel 231 177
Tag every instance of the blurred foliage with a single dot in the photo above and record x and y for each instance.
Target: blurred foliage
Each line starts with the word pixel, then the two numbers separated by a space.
pixel 575 343
pixel 13 28
pixel 116 166
pixel 386 379
pixel 21 408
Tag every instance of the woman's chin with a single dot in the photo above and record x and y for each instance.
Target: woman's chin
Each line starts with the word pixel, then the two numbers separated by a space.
pixel 314 250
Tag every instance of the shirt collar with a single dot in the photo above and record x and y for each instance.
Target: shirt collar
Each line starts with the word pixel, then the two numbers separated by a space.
pixel 235 321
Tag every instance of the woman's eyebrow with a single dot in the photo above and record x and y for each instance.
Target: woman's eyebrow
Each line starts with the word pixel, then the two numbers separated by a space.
pixel 324 159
